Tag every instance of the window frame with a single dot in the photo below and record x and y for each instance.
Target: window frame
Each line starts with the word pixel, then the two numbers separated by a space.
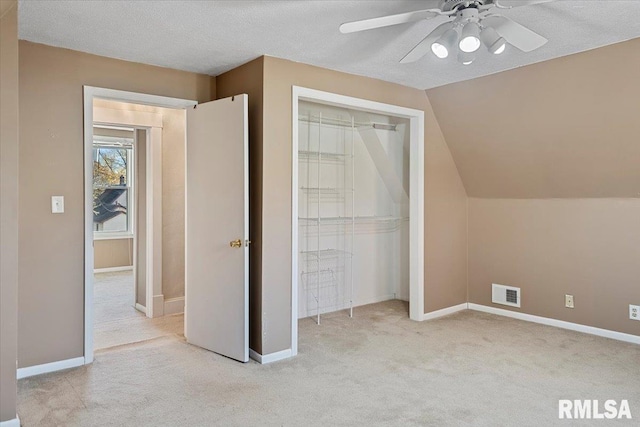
pixel 128 144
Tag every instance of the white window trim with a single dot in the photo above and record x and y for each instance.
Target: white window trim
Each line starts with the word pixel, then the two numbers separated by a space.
pixel 111 236
pixel 131 192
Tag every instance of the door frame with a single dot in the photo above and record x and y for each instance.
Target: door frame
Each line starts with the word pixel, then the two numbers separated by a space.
pixel 89 93
pixel 132 208
pixel 416 197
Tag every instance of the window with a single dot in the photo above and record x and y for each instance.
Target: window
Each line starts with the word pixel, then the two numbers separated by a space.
pixel 112 186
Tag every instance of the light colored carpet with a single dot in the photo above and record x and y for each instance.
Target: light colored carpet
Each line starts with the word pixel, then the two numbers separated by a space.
pixel 379 368
pixel 117 322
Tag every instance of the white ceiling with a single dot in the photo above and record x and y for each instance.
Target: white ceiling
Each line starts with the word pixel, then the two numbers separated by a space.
pixel 212 37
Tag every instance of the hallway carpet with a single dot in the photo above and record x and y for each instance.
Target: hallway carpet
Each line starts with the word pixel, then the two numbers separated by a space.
pixel 116 322
pixel 379 368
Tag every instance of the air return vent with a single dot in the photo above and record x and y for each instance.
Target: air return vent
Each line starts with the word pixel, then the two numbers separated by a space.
pixel 505 295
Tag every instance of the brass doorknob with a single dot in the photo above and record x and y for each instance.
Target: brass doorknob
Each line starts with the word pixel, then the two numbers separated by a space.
pixel 235 243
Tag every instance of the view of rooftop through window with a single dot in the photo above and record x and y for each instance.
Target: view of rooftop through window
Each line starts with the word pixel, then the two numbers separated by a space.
pixel 112 184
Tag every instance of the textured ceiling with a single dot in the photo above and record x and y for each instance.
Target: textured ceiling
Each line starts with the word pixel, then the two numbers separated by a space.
pixel 212 37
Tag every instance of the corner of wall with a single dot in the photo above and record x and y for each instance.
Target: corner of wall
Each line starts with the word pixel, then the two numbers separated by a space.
pixel 446 221
pixel 213 89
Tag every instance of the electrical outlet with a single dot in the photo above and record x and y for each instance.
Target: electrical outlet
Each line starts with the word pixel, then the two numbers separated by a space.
pixel 634 312
pixel 568 301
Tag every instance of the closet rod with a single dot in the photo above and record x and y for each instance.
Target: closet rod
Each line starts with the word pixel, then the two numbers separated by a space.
pixel 349 124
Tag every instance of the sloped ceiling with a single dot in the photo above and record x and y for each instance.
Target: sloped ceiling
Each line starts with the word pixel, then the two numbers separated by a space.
pixel 5 5
pixel 565 128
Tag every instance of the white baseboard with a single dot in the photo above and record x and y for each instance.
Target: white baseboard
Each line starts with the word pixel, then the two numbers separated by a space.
pixel 620 336
pixel 141 308
pixel 173 306
pixel 444 312
pixel 11 423
pixel 49 367
pixel 268 358
pixel 158 305
pixel 113 269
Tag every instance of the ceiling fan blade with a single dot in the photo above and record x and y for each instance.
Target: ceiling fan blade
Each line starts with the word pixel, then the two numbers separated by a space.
pixel 509 4
pixel 514 33
pixel 386 21
pixel 422 48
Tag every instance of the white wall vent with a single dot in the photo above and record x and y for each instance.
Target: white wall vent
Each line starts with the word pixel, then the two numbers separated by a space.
pixel 505 295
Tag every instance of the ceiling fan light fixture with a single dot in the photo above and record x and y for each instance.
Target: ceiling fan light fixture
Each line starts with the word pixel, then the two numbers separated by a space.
pixel 466 58
pixel 500 49
pixel 439 50
pixel 445 43
pixel 474 23
pixel 493 41
pixel 470 41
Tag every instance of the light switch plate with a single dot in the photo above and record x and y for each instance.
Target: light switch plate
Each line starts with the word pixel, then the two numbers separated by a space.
pixel 568 301
pixel 57 204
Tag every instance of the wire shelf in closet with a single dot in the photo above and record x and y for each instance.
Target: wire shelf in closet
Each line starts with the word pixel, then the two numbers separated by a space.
pixel 322 155
pixel 324 254
pixel 325 189
pixel 346 123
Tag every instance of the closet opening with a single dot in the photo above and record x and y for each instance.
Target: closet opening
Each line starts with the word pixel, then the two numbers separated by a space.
pixel 357 218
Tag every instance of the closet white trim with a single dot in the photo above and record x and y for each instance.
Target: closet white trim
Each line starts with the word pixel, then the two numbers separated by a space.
pixel 416 210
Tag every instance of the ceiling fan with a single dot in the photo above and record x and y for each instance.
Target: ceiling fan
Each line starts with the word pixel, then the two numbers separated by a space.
pixel 470 24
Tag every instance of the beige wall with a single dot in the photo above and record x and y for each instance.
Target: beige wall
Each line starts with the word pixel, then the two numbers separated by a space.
pixel 556 133
pixel 588 248
pixel 445 197
pixel 108 253
pixel 248 79
pixel 565 128
pixel 51 163
pixel 173 202
pixel 8 207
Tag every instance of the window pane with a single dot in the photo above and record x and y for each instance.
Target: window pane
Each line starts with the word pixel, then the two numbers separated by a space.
pixel 110 209
pixel 109 166
pixel 111 176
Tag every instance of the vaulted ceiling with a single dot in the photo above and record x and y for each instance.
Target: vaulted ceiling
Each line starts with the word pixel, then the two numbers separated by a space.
pixel 214 36
pixel 565 128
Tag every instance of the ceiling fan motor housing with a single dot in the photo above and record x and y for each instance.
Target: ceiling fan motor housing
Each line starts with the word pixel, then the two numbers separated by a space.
pixel 449 5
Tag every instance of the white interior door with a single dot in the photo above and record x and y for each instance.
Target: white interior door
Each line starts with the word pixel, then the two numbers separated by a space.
pixel 217 228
